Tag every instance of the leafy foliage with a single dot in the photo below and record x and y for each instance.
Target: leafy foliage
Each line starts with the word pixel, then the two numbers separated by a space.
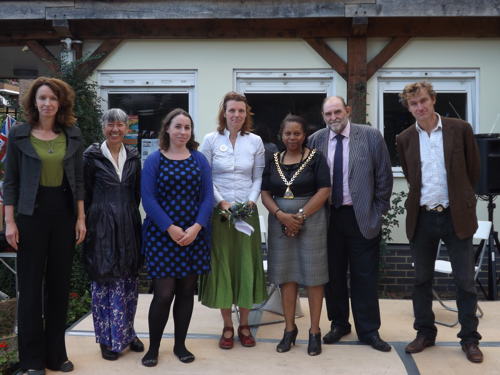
pixel 78 306
pixel 87 101
pixel 390 220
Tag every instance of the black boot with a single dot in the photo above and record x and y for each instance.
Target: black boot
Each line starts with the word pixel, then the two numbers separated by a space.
pixel 314 346
pixel 287 340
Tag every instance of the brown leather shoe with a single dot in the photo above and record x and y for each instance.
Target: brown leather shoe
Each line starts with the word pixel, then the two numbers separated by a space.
pixel 473 352
pixel 419 344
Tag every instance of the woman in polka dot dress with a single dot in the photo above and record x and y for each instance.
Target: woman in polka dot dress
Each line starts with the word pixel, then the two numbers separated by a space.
pixel 177 195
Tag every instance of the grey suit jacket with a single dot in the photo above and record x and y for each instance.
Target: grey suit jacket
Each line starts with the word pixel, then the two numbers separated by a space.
pixel 370 174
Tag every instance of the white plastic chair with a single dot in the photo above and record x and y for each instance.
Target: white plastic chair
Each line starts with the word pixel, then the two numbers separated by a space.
pixel 444 267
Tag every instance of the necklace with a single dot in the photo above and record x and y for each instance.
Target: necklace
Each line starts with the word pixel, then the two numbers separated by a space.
pixel 288 192
pixel 50 148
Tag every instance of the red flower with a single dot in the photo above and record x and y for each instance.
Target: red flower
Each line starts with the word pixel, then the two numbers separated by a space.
pixel 74 295
pixel 3 345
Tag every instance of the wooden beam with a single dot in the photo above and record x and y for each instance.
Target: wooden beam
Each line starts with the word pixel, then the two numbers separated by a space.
pixel 438 27
pixel 357 77
pixel 198 9
pixel 335 61
pixel 387 52
pixel 17 32
pixel 61 27
pixel 425 9
pixel 93 61
pixel 43 54
pixel 359 26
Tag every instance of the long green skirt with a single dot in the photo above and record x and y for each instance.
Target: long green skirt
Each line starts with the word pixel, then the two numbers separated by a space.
pixel 236 276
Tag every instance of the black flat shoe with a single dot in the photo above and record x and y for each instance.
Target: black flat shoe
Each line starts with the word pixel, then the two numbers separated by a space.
pixel 67 366
pixel 185 356
pixel 32 372
pixel 108 354
pixel 150 360
pixel 314 346
pixel 136 345
pixel 287 340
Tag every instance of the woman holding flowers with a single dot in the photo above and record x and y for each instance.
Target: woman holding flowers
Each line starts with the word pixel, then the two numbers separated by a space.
pixel 237 276
pixel 295 187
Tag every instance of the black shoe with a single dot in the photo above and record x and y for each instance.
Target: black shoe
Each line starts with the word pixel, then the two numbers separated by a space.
pixel 67 366
pixel 136 345
pixel 314 346
pixel 32 372
pixel 377 343
pixel 287 340
pixel 108 354
pixel 184 355
pixel 335 334
pixel 150 360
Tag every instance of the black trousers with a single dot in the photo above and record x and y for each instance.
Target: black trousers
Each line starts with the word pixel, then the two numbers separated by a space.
pixel 349 250
pixel 431 228
pixel 46 247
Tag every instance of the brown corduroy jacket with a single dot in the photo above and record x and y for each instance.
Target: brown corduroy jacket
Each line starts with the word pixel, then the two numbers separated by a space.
pixel 461 158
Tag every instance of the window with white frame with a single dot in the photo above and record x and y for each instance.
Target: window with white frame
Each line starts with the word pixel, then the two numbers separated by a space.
pixel 273 94
pixel 457 96
pixel 147 96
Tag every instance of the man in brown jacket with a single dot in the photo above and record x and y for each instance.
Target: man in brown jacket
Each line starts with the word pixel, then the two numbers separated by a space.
pixel 440 161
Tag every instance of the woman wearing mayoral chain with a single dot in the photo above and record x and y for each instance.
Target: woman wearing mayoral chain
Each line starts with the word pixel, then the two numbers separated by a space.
pixel 295 187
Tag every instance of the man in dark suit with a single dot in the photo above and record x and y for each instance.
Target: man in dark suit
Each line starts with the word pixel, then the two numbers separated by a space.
pixel 440 161
pixel 361 174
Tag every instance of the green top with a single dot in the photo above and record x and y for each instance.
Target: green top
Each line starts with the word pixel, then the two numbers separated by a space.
pixel 51 154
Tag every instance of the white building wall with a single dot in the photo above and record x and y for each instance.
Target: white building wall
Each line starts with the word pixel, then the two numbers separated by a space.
pixel 215 61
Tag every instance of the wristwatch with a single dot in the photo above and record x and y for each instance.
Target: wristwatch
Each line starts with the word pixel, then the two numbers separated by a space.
pixel 301 213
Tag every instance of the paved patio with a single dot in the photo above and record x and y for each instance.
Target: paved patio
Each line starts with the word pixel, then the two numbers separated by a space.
pixel 348 357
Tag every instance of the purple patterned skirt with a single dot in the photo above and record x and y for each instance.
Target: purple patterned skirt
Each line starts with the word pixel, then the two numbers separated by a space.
pixel 113 309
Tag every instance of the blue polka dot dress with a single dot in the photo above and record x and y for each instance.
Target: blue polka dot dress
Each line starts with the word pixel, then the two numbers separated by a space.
pixel 179 185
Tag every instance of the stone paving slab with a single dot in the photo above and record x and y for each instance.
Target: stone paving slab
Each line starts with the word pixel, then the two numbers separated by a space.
pixel 348 357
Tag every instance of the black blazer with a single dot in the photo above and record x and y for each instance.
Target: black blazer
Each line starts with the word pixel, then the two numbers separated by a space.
pixel 23 168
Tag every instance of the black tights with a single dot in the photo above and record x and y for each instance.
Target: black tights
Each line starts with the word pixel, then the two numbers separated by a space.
pixel 164 291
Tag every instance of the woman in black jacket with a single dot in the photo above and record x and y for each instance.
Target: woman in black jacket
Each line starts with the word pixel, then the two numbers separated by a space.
pixel 112 259
pixel 44 187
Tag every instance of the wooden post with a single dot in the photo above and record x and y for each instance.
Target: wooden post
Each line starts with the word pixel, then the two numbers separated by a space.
pixel 357 77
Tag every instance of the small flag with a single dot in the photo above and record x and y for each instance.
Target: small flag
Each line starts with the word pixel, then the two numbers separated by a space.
pixel 4 135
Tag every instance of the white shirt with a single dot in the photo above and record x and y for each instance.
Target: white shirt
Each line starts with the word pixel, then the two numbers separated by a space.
pixel 122 157
pixel 434 189
pixel 236 173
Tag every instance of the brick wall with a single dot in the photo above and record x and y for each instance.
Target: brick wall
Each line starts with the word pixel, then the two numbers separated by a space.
pixel 396 274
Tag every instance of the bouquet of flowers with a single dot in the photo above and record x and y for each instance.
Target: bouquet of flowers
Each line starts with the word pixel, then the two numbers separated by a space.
pixel 236 215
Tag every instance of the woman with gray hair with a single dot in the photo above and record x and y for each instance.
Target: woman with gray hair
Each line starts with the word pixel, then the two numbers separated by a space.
pixel 112 247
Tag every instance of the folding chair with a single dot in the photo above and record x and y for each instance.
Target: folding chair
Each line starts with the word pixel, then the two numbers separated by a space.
pixel 444 266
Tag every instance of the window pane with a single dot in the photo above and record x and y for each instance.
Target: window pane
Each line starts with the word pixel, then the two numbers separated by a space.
pixel 146 111
pixel 397 118
pixel 270 109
